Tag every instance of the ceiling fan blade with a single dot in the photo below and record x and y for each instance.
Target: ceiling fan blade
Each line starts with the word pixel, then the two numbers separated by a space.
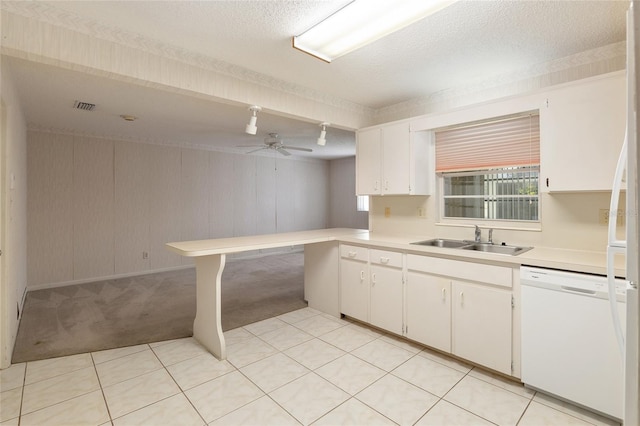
pixel 255 150
pixel 250 146
pixel 297 148
pixel 283 152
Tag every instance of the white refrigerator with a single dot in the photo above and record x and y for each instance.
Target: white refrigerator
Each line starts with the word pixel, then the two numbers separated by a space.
pixel 627 245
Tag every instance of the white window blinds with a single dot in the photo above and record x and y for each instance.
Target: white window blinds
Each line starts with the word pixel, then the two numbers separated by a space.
pixel 506 142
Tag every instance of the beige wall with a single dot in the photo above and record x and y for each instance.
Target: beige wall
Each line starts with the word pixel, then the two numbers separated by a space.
pixel 13 220
pixel 567 219
pixel 96 205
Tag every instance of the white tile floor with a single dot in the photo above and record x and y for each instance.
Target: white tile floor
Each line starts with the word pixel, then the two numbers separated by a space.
pixel 303 367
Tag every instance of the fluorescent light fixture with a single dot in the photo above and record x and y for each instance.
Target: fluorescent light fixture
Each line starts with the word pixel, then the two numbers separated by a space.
pixel 362 22
pixel 323 134
pixel 251 128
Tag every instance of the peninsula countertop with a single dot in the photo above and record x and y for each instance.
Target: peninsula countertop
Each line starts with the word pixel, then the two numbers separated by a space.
pixel 593 262
pixel 257 242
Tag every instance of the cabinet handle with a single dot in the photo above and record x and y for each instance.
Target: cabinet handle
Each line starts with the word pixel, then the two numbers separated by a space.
pixel 444 294
pixel 361 275
pixel 352 254
pixel 461 298
pixel 384 260
pixel 373 279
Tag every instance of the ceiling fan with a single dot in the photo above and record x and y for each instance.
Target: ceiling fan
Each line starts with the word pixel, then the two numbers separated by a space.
pixel 275 143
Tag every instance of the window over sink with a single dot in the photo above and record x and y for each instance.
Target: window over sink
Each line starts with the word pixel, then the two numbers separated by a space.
pixel 489 170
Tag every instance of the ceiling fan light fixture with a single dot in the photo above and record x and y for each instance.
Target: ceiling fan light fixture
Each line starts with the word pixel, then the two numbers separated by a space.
pixel 127 117
pixel 322 140
pixel 362 22
pixel 251 128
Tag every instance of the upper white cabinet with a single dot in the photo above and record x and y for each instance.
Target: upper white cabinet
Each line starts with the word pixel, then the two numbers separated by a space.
pixel 582 130
pixel 369 162
pixel 392 160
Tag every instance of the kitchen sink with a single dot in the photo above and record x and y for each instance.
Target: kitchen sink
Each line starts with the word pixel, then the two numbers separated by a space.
pixel 470 245
pixel 439 242
pixel 500 249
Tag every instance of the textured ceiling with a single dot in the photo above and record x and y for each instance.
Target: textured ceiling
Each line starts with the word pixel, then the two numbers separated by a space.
pixel 462 45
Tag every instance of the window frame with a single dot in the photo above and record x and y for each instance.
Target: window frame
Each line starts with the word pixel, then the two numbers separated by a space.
pixel 515 224
pixel 362 203
pixel 442 197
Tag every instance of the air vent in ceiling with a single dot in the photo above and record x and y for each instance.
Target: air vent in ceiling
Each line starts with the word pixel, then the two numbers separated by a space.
pixel 86 106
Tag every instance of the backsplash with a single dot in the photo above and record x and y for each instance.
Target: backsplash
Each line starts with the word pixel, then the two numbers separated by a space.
pixel 568 220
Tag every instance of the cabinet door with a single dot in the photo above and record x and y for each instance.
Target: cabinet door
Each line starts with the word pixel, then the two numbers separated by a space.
pixel 428 310
pixel 396 159
pixel 582 131
pixel 354 289
pixel 482 325
pixel 368 162
pixel 386 298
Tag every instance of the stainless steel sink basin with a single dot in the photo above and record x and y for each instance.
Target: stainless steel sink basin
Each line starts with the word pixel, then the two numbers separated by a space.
pixel 439 242
pixel 500 249
pixel 470 245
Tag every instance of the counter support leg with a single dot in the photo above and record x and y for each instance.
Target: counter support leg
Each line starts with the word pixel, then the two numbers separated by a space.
pixel 207 327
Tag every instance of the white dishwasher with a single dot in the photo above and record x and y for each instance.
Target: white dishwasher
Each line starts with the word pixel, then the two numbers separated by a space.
pixel 569 348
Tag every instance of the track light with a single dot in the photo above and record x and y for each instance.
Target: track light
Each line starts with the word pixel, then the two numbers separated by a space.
pixel 251 128
pixel 323 134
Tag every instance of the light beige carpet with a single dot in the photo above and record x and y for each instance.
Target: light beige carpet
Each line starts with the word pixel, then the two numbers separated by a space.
pixel 149 308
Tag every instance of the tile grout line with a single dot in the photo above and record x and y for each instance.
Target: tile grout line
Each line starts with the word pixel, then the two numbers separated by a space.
pixel 104 397
pixel 523 413
pixel 24 384
pixel 314 370
pixel 456 405
pixel 182 391
pixel 59 402
pixel 487 377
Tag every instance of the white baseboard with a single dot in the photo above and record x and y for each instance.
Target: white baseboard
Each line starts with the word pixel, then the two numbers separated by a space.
pixel 106 277
pixel 230 258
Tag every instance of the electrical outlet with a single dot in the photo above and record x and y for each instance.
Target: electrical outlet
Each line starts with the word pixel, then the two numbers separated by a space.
pixel 387 211
pixel 422 212
pixel 145 255
pixel 604 214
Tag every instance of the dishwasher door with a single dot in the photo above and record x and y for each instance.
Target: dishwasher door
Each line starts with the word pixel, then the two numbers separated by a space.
pixel 569 348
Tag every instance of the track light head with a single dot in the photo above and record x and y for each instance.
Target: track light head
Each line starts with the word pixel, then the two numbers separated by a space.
pixel 323 134
pixel 251 128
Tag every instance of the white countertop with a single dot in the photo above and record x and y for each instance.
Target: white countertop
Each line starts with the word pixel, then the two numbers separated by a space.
pixel 572 260
pixel 257 242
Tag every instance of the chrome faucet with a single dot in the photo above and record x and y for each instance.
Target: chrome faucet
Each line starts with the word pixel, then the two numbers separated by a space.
pixel 490 235
pixel 478 234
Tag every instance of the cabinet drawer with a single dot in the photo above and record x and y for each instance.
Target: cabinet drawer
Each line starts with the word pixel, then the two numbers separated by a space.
pixel 354 252
pixel 385 258
pixel 479 272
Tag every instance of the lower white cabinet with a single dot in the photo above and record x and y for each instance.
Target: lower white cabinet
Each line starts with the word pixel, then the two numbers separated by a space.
pixel 458 307
pixel 428 310
pixel 482 325
pixel 386 290
pixel 354 282
pixel 371 286
pixel 463 308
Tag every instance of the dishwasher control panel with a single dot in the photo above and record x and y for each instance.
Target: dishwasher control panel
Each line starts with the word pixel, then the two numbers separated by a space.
pixel 595 285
